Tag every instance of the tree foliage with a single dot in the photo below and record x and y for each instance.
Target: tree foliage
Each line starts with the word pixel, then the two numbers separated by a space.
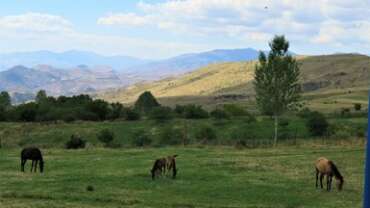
pixel 47 108
pixel 277 80
pixel 5 100
pixel 146 102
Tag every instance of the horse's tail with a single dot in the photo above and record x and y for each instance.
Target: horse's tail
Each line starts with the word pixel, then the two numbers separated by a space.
pixel 335 170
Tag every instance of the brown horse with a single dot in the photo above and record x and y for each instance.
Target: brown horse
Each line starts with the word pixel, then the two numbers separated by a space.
pixel 163 165
pixel 34 154
pixel 326 167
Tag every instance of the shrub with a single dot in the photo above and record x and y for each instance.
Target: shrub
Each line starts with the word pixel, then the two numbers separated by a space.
pixel 179 110
pixel 161 113
pixel 90 188
pixel 195 112
pixel 242 134
pixel 342 134
pixel 304 113
pixel 357 106
pixel 219 114
pixel 106 136
pixel 132 115
pixel 234 110
pixel 170 136
pixel 141 138
pixel 283 122
pixel 243 137
pixel 249 118
pixel 206 134
pixel 317 124
pixel 345 112
pixel 75 142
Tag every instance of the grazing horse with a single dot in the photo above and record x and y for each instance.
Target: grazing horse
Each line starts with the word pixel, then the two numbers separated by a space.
pixel 163 165
pixel 326 167
pixel 34 154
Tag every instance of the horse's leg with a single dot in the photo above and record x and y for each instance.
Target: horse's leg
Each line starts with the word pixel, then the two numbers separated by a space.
pixel 330 182
pixel 327 182
pixel 174 170
pixel 23 163
pixel 321 177
pixel 33 162
pixel 35 169
pixel 317 178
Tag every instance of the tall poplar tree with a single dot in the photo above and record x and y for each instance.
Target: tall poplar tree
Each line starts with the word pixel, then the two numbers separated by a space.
pixel 277 81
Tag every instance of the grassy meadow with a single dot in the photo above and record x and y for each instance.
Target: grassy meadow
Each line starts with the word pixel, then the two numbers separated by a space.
pixel 214 175
pixel 207 177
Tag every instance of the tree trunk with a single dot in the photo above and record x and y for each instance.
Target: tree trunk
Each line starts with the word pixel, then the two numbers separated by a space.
pixel 185 133
pixel 276 130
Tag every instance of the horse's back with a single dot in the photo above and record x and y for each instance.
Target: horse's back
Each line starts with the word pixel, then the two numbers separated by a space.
pixel 323 165
pixel 31 153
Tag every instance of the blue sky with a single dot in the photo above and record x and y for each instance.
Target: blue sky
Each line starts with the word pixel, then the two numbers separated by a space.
pixel 164 28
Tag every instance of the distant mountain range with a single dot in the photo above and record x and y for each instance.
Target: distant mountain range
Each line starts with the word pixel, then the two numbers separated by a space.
pixel 67 59
pixel 75 72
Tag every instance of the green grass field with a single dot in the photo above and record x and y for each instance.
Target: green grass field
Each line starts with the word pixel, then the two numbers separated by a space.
pixel 207 177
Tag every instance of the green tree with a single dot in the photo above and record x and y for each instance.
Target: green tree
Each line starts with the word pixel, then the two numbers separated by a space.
pixel 161 113
pixel 5 100
pixel 276 81
pixel 146 102
pixel 41 96
pixel 100 108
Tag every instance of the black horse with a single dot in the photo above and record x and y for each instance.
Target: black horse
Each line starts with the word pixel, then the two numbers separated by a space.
pixel 34 154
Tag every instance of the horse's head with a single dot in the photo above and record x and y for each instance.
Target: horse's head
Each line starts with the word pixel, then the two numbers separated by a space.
pixel 340 182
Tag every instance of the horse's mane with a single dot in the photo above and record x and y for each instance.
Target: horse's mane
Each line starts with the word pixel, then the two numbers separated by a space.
pixel 335 170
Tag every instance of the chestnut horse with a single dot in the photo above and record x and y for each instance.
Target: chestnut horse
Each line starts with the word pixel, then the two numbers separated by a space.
pixel 34 154
pixel 327 167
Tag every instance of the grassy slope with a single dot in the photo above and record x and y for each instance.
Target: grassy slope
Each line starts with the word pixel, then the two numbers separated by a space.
pixel 208 177
pixel 341 74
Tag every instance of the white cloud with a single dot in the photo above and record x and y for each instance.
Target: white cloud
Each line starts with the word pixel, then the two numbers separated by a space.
pixel 130 19
pixel 35 22
pixel 330 22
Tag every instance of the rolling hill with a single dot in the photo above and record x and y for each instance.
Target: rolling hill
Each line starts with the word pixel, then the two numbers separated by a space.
pixel 81 79
pixel 189 62
pixel 343 75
